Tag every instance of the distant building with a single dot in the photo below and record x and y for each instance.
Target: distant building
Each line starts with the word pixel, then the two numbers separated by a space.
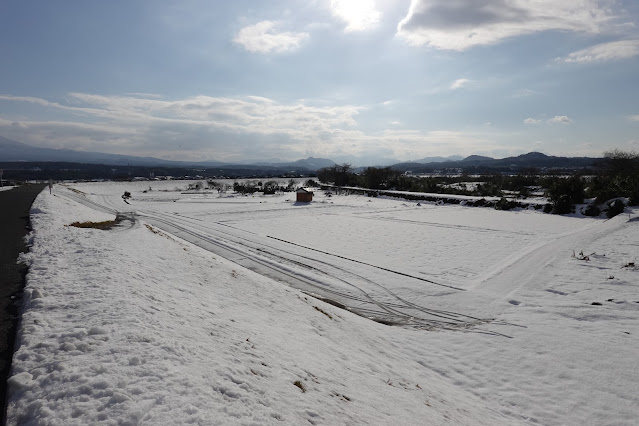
pixel 304 196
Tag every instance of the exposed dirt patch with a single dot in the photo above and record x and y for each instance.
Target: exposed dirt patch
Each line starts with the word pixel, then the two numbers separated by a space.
pixel 105 225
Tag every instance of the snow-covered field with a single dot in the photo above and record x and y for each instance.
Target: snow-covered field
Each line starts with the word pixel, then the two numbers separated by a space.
pixel 184 312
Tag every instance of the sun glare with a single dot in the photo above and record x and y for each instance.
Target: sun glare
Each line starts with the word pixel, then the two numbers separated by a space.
pixel 360 15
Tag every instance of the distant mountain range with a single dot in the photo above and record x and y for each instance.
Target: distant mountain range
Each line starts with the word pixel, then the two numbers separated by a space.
pixel 12 151
pixel 478 163
pixel 427 160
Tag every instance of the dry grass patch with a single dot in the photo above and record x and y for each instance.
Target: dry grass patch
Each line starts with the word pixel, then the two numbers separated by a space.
pixel 162 234
pixel 77 191
pixel 322 311
pixel 105 225
pixel 152 229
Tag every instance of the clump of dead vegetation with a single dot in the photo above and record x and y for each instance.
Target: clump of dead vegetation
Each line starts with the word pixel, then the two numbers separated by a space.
pixel 300 385
pixel 322 311
pixel 77 191
pixel 160 233
pixel 105 225
pixel 152 229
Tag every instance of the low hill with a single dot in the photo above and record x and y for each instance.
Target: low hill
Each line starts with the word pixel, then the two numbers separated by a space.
pixel 481 164
pixel 475 158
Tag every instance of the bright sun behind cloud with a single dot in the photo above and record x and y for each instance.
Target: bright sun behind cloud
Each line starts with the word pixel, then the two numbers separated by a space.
pixel 359 15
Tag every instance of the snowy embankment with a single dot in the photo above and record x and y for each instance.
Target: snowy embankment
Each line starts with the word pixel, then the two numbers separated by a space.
pixel 135 326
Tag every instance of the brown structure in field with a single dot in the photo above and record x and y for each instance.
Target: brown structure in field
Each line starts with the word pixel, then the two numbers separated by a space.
pixel 304 196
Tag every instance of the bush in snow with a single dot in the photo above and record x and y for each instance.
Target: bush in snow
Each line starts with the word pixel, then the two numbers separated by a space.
pixel 592 210
pixel 564 192
pixel 504 204
pixel 615 207
pixel 618 177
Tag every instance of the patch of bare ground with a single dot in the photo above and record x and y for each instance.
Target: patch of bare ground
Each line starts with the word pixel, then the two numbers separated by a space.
pixel 105 225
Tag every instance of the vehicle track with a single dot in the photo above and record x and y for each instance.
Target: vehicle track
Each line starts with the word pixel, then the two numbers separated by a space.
pixel 272 261
pixel 266 267
pixel 368 264
pixel 186 218
pixel 81 198
pixel 440 225
pixel 392 312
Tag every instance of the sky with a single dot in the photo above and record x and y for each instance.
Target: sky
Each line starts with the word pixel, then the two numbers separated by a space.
pixel 339 79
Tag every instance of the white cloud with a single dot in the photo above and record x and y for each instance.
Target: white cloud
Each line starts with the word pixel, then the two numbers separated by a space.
pixel 605 52
pixel 560 119
pixel 214 127
pixel 459 83
pixel 531 121
pixel 226 129
pixel 263 38
pixel 462 24
pixel 633 117
pixel 407 144
pixel 359 15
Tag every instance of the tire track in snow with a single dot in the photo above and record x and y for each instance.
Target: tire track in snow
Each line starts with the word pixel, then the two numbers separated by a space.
pixel 385 312
pixel 368 264
pixel 440 225
pixel 394 313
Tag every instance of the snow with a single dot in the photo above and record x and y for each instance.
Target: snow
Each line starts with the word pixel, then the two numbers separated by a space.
pixel 136 325
pixel 6 188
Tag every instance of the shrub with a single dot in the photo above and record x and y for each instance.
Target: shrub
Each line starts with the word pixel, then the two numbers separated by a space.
pixel 504 204
pixel 562 205
pixel 564 192
pixel 614 208
pixel 592 210
pixel 618 177
pixel 247 187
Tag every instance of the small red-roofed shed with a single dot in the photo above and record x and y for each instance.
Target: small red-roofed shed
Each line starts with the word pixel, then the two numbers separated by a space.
pixel 304 195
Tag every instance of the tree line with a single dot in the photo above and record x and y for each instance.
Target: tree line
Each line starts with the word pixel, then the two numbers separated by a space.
pixel 614 177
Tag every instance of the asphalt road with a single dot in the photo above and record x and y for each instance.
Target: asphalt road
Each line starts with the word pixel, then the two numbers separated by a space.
pixel 14 225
